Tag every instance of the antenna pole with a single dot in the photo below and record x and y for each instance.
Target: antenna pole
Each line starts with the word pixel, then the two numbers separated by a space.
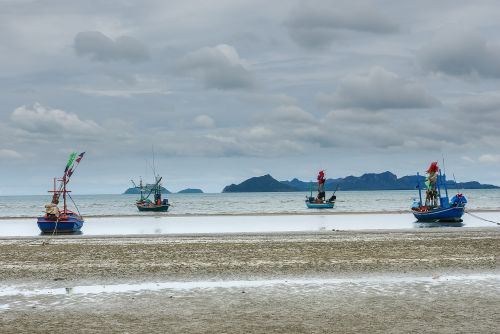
pixel 419 188
pixel 154 164
pixel 444 167
pixel 64 195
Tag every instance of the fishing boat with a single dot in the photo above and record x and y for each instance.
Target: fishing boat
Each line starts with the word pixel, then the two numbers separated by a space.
pixel 145 204
pixel 320 202
pixel 312 204
pixel 437 206
pixel 66 221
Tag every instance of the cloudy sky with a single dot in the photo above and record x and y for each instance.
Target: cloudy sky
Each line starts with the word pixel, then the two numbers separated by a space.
pixel 230 89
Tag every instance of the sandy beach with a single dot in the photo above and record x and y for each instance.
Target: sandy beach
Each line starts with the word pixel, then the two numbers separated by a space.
pixel 434 280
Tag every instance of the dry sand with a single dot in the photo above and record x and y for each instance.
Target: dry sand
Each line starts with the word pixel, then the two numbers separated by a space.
pixel 411 306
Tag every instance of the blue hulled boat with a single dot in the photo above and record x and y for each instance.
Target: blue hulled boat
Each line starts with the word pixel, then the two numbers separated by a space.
pixel 320 201
pixel 68 223
pixel 62 221
pixel 451 214
pixel 439 208
pixel 311 204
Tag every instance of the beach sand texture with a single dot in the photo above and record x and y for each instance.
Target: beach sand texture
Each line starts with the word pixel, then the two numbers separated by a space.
pixel 325 282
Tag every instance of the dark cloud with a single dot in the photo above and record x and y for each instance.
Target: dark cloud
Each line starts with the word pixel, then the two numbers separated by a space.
pixel 102 48
pixel 218 67
pixel 262 106
pixel 379 89
pixel 480 105
pixel 317 24
pixel 459 53
pixel 480 113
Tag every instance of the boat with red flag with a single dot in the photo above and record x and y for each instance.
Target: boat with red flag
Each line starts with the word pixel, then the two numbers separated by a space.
pixel 320 202
pixel 65 220
pixel 437 206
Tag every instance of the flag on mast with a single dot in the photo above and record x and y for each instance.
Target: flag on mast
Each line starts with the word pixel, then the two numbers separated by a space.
pixel 71 159
pixel 76 162
pixel 80 157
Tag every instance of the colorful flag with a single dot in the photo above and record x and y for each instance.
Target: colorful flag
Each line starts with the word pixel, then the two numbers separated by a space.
pixel 80 157
pixel 71 159
pixel 76 162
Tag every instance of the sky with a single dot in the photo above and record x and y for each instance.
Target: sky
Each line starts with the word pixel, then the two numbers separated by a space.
pixel 226 90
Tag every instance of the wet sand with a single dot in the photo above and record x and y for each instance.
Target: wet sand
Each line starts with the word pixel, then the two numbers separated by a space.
pixel 323 282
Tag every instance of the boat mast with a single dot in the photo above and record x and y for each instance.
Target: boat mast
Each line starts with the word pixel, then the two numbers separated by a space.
pixel 444 178
pixel 443 201
pixel 419 189
pixel 64 194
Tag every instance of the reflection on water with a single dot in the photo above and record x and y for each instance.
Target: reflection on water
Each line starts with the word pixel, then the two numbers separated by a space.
pixel 243 224
pixel 418 224
pixel 60 233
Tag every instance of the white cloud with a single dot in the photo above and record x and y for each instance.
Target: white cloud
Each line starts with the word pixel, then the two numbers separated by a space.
pixel 461 52
pixel 9 154
pixel 217 67
pixel 102 48
pixel 489 158
pixel 126 93
pixel 48 121
pixel 204 121
pixel 290 114
pixel 316 24
pixel 378 89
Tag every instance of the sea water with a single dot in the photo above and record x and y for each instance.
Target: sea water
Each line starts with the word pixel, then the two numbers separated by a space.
pixel 239 203
pixel 241 213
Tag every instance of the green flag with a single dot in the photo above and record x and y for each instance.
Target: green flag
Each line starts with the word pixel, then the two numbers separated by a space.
pixel 71 159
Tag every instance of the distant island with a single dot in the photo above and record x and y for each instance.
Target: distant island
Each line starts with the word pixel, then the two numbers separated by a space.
pixel 136 191
pixel 190 191
pixel 369 181
pixel 264 183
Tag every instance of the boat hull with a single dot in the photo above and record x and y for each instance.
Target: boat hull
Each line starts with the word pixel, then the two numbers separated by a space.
pixel 66 224
pixel 153 208
pixel 320 205
pixel 451 214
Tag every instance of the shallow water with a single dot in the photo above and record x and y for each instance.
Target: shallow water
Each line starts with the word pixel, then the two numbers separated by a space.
pixel 239 203
pixel 411 304
pixel 369 282
pixel 165 224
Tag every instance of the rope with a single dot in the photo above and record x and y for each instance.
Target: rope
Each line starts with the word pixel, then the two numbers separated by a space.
pixel 481 218
pixel 71 198
pixel 55 227
pixel 47 242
